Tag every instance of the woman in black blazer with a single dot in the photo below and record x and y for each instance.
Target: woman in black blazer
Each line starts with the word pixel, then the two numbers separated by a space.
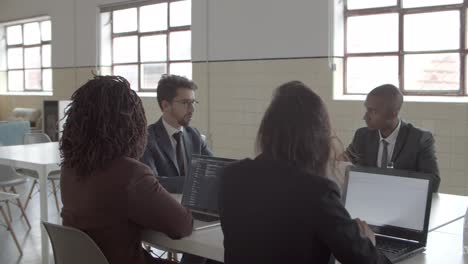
pixel 279 207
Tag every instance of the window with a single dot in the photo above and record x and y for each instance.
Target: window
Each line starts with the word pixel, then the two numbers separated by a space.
pixel 419 46
pixel 26 58
pixel 143 42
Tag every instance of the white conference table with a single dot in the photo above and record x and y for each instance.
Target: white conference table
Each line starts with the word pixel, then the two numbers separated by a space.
pixel 42 158
pixel 442 247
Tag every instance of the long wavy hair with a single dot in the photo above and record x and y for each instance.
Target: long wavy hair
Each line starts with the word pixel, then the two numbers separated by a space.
pixel 104 121
pixel 296 128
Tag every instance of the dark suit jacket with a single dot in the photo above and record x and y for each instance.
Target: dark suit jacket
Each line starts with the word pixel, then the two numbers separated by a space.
pixel 272 212
pixel 113 206
pixel 160 156
pixel 414 150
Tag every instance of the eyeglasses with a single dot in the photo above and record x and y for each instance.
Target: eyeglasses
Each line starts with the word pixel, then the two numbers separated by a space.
pixel 187 103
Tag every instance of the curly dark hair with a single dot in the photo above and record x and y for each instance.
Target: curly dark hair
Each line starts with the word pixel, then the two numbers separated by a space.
pixel 104 121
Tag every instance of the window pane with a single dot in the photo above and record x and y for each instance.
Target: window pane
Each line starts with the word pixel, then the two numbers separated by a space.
pixel 125 49
pixel 153 17
pixel 153 48
pixel 365 73
pixel 419 3
pixel 428 72
pixel 183 69
pixel 129 72
pixel 106 40
pixel 125 20
pixel 372 33
pixel 45 30
pixel 180 45
pixel 33 79
pixel 32 34
pixel 46 59
pixel 359 4
pixel 32 57
pixel 47 79
pixel 150 74
pixel 181 13
pixel 15 81
pixel 14 35
pixel 432 31
pixel 15 58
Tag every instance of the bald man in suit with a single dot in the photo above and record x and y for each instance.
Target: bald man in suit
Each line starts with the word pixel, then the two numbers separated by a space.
pixel 388 141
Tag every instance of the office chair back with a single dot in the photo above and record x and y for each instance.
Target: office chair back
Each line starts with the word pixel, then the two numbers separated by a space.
pixel 34 138
pixel 9 177
pixel 72 246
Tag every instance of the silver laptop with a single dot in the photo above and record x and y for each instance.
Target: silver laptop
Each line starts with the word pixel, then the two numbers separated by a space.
pixel 200 192
pixel 395 203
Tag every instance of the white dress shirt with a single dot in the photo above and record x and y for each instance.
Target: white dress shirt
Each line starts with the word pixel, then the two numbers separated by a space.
pixel 391 139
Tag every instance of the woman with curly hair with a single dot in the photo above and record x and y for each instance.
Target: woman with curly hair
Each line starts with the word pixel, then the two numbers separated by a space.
pixel 106 191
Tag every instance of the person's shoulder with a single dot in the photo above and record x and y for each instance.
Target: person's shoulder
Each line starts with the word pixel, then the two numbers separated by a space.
pixel 152 127
pixel 363 131
pixel 131 167
pixel 192 130
pixel 421 133
pixel 322 185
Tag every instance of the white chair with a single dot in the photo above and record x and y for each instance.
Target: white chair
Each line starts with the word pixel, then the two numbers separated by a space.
pixel 73 246
pixel 35 138
pixel 9 179
pixel 6 198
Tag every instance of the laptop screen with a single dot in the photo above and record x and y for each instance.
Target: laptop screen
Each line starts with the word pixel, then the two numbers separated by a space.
pixel 201 187
pixel 389 199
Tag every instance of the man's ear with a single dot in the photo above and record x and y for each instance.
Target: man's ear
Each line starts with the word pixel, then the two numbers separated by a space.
pixel 165 105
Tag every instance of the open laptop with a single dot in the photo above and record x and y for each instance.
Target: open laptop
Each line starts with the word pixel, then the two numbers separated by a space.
pixel 395 203
pixel 201 188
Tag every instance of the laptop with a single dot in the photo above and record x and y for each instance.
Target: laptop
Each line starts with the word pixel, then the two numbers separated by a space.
pixel 395 203
pixel 200 193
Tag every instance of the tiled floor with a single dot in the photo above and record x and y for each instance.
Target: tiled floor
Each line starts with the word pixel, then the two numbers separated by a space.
pixel 30 240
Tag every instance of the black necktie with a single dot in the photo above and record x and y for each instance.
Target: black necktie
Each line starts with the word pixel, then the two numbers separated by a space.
pixel 179 153
pixel 384 160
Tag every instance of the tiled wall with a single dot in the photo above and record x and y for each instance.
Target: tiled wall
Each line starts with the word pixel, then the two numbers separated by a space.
pixel 233 96
pixel 239 92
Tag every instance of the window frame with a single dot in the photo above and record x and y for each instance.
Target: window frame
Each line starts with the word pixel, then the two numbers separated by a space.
pixel 400 53
pixel 25 46
pixel 139 34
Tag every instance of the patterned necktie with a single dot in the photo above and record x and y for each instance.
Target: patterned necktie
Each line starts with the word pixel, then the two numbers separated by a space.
pixel 384 160
pixel 179 153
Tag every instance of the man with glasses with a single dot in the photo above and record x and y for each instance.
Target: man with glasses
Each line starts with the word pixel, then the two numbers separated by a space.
pixel 171 141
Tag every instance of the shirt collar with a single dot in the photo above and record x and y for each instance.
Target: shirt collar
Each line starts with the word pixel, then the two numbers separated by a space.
pixel 391 139
pixel 170 129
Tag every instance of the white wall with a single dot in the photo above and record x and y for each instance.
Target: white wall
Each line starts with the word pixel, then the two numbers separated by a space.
pixel 245 29
pixel 241 29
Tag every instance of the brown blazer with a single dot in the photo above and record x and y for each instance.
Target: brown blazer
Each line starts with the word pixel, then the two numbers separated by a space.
pixel 115 204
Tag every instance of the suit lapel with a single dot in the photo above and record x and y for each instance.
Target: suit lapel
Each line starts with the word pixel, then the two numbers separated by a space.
pixel 373 148
pixel 400 141
pixel 165 143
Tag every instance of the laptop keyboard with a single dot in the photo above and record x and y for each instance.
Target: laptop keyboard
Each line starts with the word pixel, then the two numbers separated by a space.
pixel 392 246
pixel 204 217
